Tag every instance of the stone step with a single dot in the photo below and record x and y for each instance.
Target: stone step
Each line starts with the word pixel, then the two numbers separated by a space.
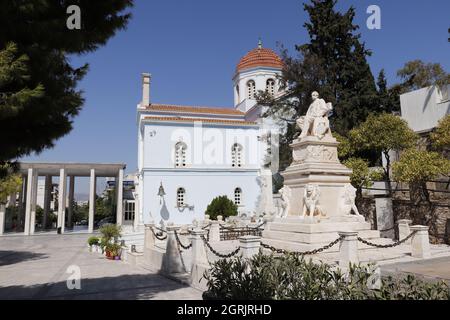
pixel 300 247
pixel 312 238
pixel 321 227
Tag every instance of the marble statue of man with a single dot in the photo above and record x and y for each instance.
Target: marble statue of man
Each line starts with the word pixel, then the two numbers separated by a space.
pixel 315 122
pixel 311 201
pixel 285 193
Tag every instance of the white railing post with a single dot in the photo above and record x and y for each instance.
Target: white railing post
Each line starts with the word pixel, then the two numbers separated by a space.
pixel 348 248
pixel 149 238
pixel 214 231
pixel 404 229
pixel 172 258
pixel 249 246
pixel 420 242
pixel 198 247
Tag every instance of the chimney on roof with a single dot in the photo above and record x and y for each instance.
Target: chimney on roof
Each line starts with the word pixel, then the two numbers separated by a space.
pixel 146 77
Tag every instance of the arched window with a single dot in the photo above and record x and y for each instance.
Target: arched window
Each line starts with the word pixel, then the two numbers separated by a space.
pixel 270 86
pixel 181 195
pixel 180 155
pixel 236 155
pixel 237 196
pixel 251 89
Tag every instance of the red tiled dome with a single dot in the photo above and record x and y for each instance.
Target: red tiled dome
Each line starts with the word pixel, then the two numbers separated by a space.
pixel 260 57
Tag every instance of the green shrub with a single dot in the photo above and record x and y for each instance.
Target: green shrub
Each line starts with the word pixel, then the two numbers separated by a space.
pixel 93 241
pixel 221 206
pixel 291 277
pixel 111 232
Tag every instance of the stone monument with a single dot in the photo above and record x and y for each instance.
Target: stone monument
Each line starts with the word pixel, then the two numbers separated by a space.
pixel 318 199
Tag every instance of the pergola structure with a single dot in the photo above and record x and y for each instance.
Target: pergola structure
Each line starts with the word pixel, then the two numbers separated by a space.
pixel 28 193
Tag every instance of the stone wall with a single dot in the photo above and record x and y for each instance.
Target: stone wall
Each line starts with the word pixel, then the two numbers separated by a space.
pixel 436 216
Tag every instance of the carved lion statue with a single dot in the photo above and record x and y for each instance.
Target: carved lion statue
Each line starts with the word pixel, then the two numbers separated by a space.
pixel 285 193
pixel 311 205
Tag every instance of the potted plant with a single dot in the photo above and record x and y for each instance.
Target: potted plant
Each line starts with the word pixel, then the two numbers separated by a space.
pixel 110 235
pixel 93 243
pixel 113 251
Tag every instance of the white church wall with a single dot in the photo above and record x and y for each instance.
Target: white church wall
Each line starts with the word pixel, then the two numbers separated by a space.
pixel 207 146
pixel 201 187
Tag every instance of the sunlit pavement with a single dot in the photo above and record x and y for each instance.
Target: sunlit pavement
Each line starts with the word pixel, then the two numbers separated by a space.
pixel 37 268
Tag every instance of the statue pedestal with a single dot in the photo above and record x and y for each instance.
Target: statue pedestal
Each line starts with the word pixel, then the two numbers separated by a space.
pixel 315 162
pixel 302 234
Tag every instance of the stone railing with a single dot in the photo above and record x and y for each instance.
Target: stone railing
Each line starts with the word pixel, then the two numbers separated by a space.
pixel 170 261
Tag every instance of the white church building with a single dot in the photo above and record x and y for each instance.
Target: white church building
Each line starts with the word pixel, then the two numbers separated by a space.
pixel 188 155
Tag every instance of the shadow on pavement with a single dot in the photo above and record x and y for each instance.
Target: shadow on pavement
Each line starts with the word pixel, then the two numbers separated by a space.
pixel 125 287
pixel 13 257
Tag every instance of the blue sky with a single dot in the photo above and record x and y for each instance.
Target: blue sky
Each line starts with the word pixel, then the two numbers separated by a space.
pixel 191 48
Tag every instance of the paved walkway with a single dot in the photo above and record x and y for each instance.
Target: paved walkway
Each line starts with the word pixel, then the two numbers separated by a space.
pixel 36 268
pixel 429 269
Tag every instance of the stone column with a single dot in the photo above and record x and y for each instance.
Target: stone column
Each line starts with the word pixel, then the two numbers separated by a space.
pixel 22 193
pixel 348 248
pixel 404 230
pixel 62 199
pixel 2 218
pixel 29 197
pixel 47 200
pixel 92 188
pixel 33 202
pixel 420 243
pixel 214 231
pixel 172 258
pixel 385 216
pixel 249 246
pixel 198 247
pixel 71 201
pixel 149 238
pixel 119 190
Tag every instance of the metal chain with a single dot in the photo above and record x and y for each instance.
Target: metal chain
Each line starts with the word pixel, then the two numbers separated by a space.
pixel 158 237
pixel 182 245
pixel 206 227
pixel 220 255
pixel 386 245
pixel 304 253
pixel 385 230
pixel 159 229
pixel 246 227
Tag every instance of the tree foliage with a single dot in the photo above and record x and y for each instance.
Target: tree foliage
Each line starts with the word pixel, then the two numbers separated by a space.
pixel 362 176
pixel 383 133
pixel 10 183
pixel 440 138
pixel 221 206
pixel 416 166
pixel 41 83
pixel 417 74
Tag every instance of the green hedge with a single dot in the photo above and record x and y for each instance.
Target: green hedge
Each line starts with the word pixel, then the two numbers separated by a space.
pixel 267 277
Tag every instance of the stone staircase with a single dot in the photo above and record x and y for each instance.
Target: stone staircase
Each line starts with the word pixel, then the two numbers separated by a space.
pixel 297 234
